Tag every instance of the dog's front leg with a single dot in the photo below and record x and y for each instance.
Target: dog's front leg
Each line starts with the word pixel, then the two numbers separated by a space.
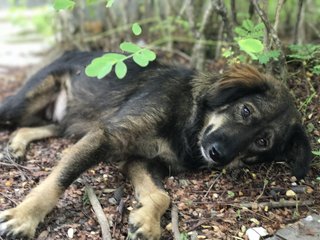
pixel 144 220
pixel 22 220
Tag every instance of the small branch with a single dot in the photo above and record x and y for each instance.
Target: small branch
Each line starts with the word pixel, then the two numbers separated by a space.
pixel 5 196
pixel 103 221
pixel 222 11
pixel 233 12
pixel 175 222
pixel 213 183
pixel 298 22
pixel 198 51
pixel 277 17
pixel 219 42
pixel 280 204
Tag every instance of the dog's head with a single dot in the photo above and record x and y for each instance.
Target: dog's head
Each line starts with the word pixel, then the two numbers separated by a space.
pixel 251 118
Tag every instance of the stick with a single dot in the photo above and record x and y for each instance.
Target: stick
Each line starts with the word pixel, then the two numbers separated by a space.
pixel 211 186
pixel 5 196
pixel 297 25
pixel 233 12
pixel 277 17
pixel 198 51
pixel 103 221
pixel 280 204
pixel 222 11
pixel 175 223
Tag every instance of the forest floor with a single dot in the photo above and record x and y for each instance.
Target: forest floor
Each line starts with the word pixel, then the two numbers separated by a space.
pixel 210 204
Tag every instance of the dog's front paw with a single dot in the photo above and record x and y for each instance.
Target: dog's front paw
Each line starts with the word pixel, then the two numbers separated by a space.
pixel 144 224
pixel 16 150
pixel 15 223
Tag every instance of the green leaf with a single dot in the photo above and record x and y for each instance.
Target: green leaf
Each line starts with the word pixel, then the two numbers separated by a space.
pixel 263 59
pixel 267 56
pixel 251 46
pixel 227 53
pixel 129 47
pixel 317 153
pixel 136 29
pixel 121 69
pixel 316 70
pixel 99 68
pixel 148 54
pixel 241 32
pixel 248 24
pixel 140 60
pixel 231 194
pixel 109 3
pixel 63 4
pixel 113 57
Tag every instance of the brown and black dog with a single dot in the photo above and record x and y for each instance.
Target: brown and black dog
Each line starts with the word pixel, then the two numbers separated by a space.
pixel 156 118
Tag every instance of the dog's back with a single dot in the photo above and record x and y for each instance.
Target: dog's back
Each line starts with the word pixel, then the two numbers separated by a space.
pixel 62 93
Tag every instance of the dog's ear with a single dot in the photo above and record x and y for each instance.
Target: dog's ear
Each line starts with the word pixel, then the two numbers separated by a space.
pixel 240 80
pixel 298 151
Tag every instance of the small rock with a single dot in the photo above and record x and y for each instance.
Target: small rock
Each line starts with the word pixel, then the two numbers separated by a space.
pixel 309 218
pixel 256 233
pixel 169 227
pixel 255 221
pixel 290 193
pixel 70 233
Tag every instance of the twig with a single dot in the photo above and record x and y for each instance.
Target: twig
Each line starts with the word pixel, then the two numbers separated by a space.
pixel 222 11
pixel 277 17
pixel 280 204
pixel 184 7
pixel 233 12
pixel 175 222
pixel 297 25
pixel 5 196
pixel 103 221
pixel 212 184
pixel 265 183
pixel 198 51
pixel 174 51
pixel 17 166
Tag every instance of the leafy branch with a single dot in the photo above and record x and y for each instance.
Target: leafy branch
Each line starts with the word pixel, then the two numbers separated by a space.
pixel 102 66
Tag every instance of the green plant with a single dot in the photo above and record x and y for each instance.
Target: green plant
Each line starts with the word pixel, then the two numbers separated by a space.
pixel 308 54
pixel 183 236
pixel 249 40
pixel 102 66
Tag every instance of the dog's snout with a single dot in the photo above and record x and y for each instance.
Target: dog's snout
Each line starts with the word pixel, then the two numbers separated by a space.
pixel 215 152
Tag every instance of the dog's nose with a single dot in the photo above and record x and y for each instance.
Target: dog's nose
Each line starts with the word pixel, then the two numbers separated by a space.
pixel 215 153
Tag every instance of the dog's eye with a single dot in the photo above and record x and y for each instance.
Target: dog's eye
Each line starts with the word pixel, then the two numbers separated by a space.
pixel 245 112
pixel 262 142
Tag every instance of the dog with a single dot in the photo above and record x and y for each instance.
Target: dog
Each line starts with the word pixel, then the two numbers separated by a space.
pixel 156 120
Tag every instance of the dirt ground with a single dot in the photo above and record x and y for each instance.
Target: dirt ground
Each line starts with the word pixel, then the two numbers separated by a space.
pixel 210 204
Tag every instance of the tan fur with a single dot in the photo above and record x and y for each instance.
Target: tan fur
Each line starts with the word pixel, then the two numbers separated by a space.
pixel 24 218
pixel 153 203
pixel 246 74
pixel 23 136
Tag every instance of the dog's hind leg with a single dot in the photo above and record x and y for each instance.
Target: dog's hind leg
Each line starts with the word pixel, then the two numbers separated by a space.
pixel 22 220
pixel 144 221
pixel 22 137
